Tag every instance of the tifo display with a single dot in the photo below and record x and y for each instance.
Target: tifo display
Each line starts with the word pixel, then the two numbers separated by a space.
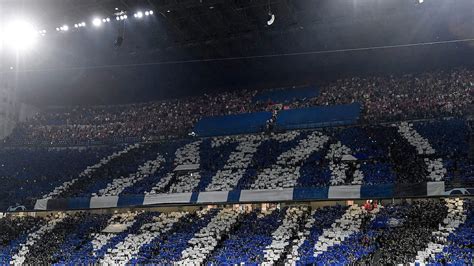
pixel 399 153
pixel 423 231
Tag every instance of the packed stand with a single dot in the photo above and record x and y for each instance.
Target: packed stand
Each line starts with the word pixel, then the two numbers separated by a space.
pixel 384 98
pixel 134 122
pixel 433 231
pixel 397 98
pixel 28 173
pixel 400 153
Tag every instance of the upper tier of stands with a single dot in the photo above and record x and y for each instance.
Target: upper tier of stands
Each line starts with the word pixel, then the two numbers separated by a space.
pixel 286 95
pixel 433 232
pixel 399 153
pixel 384 98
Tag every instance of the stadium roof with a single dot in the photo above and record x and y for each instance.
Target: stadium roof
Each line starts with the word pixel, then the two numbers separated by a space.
pixel 171 50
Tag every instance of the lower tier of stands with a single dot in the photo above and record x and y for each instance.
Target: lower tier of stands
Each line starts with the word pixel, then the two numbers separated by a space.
pixel 428 231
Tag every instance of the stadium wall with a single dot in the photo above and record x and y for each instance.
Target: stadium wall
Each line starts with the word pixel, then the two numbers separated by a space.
pixel 314 117
pixel 430 189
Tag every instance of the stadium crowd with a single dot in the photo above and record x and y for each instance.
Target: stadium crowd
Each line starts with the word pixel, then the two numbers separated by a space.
pixel 430 231
pixel 398 154
pixel 384 98
pixel 395 98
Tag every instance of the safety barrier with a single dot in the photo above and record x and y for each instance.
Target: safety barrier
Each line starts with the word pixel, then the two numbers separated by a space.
pixel 321 116
pixel 232 124
pixel 244 196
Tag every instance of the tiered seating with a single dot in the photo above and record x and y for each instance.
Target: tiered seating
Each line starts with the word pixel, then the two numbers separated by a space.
pixel 128 162
pixel 167 249
pixel 247 243
pixel 376 172
pixel 34 238
pixel 13 233
pixel 315 224
pixel 208 237
pixel 436 171
pixel 283 234
pixel 410 233
pixel 130 247
pixel 119 227
pixel 120 184
pixel 29 173
pixel 286 172
pixel 267 154
pixel 369 155
pixel 457 247
pixel 350 223
pixel 339 157
pixel 406 163
pixel 86 227
pixel 455 217
pixel 426 231
pixel 239 160
pixel 188 155
pixel 88 171
pixel 450 138
pixel 381 98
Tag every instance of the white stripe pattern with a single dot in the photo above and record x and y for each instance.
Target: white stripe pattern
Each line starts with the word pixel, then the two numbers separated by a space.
pixel 282 235
pixel 34 238
pixel 120 184
pixel 286 171
pixel 342 228
pixel 204 241
pixel 130 247
pixel 455 217
pixel 88 171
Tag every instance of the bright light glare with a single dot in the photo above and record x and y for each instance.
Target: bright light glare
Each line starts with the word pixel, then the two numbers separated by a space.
pixel 19 35
pixel 139 14
pixel 96 22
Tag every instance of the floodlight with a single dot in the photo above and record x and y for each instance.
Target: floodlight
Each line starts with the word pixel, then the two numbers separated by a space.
pixel 65 28
pixel 151 12
pixel 139 14
pixel 96 22
pixel 20 35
